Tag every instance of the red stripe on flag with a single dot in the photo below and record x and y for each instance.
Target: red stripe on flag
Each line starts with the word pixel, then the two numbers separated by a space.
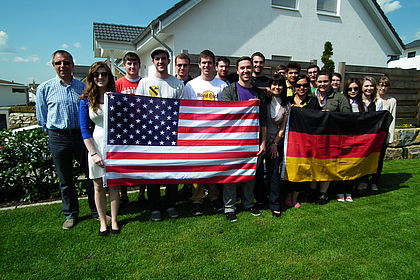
pixel 218 117
pixel 217 179
pixel 224 142
pixel 177 156
pixel 222 129
pixel 204 103
pixel 200 168
pixel 305 145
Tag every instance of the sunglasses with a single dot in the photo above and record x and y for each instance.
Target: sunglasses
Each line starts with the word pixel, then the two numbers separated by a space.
pixel 97 74
pixel 65 62
pixel 302 85
pixel 353 89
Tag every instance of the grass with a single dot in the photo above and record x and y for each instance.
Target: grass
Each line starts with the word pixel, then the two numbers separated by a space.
pixel 376 237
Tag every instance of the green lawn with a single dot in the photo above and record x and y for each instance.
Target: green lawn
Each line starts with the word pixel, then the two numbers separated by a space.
pixel 376 237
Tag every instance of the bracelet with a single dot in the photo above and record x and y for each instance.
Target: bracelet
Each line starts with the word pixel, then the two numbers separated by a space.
pixel 93 154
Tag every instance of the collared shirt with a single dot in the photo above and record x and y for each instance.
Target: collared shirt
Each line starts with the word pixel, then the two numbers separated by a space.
pixel 57 104
pixel 290 89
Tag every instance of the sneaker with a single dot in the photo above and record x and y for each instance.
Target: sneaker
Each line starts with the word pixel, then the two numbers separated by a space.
pixel 374 187
pixel 362 186
pixel 322 199
pixel 349 199
pixel 217 205
pixel 172 213
pixel 276 214
pixel 231 216
pixel 340 197
pixel 254 211
pixel 69 223
pixel 156 216
pixel 297 205
pixel 198 209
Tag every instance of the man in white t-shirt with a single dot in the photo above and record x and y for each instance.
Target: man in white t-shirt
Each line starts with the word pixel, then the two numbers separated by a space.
pixel 161 84
pixel 205 87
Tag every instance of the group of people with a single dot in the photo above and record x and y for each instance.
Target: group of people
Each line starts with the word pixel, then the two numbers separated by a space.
pixel 66 108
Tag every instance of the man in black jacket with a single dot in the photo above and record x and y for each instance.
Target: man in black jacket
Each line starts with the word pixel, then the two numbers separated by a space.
pixel 240 91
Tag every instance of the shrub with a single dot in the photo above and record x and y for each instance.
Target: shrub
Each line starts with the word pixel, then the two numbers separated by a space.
pixel 26 168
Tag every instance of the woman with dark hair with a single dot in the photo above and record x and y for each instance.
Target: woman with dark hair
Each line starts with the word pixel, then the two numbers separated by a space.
pixel 277 112
pixel 302 98
pixel 353 93
pixel 99 81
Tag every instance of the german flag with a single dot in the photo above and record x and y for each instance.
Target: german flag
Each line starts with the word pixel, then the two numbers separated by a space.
pixel 331 146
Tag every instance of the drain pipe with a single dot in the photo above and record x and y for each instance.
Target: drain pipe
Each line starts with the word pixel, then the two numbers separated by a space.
pixel 171 52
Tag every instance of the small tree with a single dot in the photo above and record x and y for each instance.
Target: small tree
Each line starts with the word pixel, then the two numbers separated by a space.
pixel 325 58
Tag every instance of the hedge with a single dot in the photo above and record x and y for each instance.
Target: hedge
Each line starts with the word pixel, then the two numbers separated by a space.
pixel 26 168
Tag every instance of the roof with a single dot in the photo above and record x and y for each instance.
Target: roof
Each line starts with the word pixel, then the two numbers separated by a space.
pixel 388 22
pixel 116 32
pixel 4 82
pixel 414 44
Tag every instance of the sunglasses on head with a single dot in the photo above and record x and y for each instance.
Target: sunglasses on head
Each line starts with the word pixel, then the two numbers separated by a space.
pixel 97 74
pixel 65 62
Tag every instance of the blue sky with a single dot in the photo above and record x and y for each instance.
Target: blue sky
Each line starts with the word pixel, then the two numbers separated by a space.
pixel 31 30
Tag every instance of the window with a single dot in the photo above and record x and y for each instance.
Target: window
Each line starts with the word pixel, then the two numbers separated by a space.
pixel 411 54
pixel 292 4
pixel 327 6
pixel 281 57
pixel 394 57
pixel 18 90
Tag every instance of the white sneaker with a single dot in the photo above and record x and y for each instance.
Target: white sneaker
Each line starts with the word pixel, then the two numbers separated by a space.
pixel 348 198
pixel 374 187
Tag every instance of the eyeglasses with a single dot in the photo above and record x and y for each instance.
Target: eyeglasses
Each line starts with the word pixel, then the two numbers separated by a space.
pixel 182 65
pixel 353 89
pixel 97 74
pixel 302 85
pixel 64 62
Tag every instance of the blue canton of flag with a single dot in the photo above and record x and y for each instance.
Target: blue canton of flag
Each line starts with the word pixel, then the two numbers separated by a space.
pixel 138 120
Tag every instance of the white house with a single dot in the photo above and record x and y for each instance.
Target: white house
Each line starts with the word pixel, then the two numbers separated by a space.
pixel 12 93
pixel 409 59
pixel 281 29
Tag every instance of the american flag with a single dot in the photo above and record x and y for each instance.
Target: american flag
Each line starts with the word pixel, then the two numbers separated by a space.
pixel 151 140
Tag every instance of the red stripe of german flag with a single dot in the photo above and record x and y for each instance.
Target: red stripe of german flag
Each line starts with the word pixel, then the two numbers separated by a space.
pixel 327 146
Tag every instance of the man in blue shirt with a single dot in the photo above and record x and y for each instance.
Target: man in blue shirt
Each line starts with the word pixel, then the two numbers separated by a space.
pixel 57 112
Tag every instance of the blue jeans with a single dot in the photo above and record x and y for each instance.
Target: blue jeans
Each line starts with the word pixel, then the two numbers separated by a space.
pixel 64 148
pixel 276 185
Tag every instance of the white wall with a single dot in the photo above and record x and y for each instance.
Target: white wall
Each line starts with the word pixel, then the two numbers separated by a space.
pixel 407 63
pixel 241 27
pixel 9 98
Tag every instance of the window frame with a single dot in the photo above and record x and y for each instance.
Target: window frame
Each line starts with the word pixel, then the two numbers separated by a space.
pixel 329 13
pixel 296 8
pixel 411 54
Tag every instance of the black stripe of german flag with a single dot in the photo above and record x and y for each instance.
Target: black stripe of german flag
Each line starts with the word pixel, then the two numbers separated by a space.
pixel 330 146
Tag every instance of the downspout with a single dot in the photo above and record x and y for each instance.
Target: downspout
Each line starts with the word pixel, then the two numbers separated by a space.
pixel 171 52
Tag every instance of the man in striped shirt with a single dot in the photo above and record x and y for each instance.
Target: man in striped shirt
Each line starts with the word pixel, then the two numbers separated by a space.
pixel 57 112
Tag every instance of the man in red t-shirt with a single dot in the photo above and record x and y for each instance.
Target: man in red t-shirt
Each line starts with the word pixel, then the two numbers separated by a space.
pixel 128 85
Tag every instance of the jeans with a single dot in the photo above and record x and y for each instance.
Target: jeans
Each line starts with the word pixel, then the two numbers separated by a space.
pixel 64 148
pixel 276 185
pixel 229 195
pixel 153 195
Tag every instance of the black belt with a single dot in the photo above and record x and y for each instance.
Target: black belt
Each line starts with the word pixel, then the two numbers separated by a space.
pixel 67 131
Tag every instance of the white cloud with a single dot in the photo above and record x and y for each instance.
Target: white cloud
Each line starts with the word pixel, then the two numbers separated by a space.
pixel 32 58
pixel 64 46
pixel 77 45
pixel 389 6
pixel 3 38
